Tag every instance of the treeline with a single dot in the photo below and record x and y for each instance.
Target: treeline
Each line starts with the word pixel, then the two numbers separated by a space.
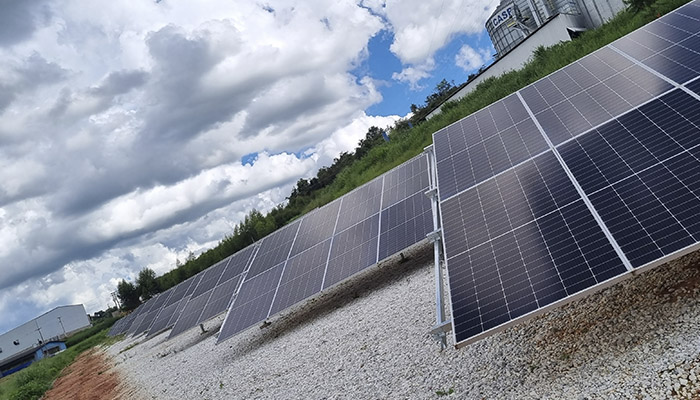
pixel 373 156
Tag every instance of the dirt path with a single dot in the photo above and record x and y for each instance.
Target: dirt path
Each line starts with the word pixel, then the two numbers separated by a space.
pixel 90 377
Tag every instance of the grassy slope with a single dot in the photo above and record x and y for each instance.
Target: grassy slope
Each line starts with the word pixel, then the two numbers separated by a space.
pixel 545 61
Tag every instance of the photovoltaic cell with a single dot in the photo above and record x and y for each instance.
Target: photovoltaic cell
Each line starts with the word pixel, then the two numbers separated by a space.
pixel 193 284
pixel 644 176
pixel 219 300
pixel 252 303
pixel 474 149
pixel 146 322
pixel 404 224
pixel 161 322
pixel 353 250
pixel 210 277
pixel 302 276
pixel 613 85
pixel 274 249
pixel 181 289
pixel 237 264
pixel 360 204
pixel 158 303
pixel 405 180
pixel 316 227
pixel 178 311
pixel 536 243
pixel 190 314
pixel 136 323
pixel 667 45
pixel 347 249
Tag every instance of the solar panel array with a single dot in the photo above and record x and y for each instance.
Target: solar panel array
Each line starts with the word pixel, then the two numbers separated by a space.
pixel 334 243
pixel 575 180
pixel 299 260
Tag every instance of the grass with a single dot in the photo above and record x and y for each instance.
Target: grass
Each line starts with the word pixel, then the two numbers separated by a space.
pixel 32 382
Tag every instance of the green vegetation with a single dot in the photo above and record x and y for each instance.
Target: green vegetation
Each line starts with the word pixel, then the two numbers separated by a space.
pixel 33 381
pixel 86 334
pixel 374 157
pixel 445 392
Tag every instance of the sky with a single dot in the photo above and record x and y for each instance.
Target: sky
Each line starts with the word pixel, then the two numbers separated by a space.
pixel 135 132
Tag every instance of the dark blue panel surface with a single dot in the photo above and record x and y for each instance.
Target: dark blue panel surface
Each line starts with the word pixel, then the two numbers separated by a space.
pixel 353 250
pixel 666 45
pixel 405 180
pixel 302 277
pixel 237 263
pixel 517 269
pixel 161 322
pixel 510 139
pixel 610 85
pixel 640 177
pixel 360 204
pixel 180 291
pixel 252 303
pixel 219 300
pixel 210 277
pixel 404 224
pixel 274 249
pixel 190 314
pixel 316 227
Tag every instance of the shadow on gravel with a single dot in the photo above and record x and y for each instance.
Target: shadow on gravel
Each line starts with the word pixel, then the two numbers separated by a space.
pixel 374 278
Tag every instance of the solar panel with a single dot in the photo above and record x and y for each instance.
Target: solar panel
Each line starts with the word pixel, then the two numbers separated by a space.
pixel 317 262
pixel 404 224
pixel 128 320
pixel 353 250
pixel 565 109
pixel 210 278
pixel 405 180
pixel 237 264
pixel 316 227
pixel 219 300
pixel 190 314
pixel 274 249
pixel 615 188
pixel 142 311
pixel 360 204
pixel 645 176
pixel 302 277
pixel 252 304
pixel 666 46
pixel 161 322
pixel 193 284
pixel 181 289
pixel 178 311
pixel 470 151
pixel 153 312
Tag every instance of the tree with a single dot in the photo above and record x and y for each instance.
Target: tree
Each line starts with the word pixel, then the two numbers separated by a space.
pixel 147 283
pixel 128 295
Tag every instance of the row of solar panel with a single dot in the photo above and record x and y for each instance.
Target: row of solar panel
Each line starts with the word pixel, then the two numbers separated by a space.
pixel 574 180
pixel 299 260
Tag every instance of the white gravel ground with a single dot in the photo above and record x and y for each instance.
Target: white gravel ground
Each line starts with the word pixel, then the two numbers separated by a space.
pixel 368 338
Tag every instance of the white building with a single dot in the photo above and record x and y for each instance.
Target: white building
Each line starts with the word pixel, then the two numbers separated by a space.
pixel 18 346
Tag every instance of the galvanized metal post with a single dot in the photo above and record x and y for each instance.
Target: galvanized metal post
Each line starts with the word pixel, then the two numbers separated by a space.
pixel 439 330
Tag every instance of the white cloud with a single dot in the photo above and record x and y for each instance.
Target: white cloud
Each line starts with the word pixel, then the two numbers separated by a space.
pixel 122 125
pixel 412 75
pixel 469 59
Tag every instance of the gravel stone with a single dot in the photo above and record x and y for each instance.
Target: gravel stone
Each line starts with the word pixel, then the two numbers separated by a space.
pixel 369 338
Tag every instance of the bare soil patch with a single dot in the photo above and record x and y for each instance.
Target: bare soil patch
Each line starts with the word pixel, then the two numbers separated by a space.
pixel 89 377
